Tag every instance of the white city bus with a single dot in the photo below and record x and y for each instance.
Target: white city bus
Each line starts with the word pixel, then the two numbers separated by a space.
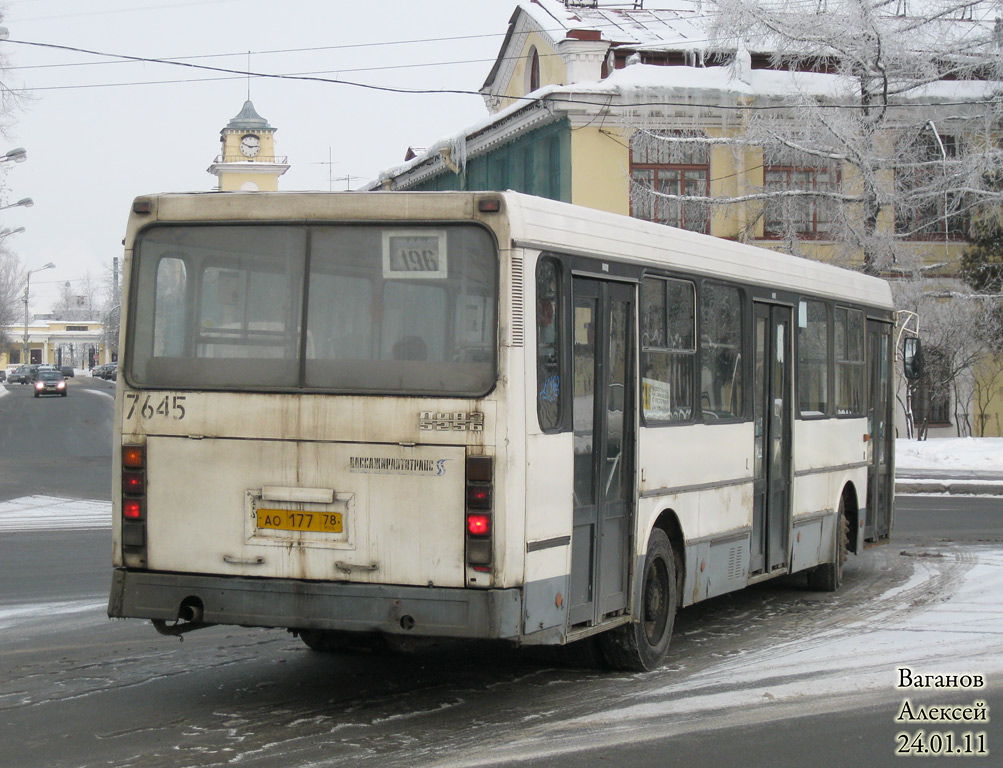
pixel 482 415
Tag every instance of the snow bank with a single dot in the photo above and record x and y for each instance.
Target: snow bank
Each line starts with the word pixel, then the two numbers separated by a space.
pixel 961 453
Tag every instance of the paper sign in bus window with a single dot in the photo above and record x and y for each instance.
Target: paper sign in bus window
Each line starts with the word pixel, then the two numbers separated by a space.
pixel 414 254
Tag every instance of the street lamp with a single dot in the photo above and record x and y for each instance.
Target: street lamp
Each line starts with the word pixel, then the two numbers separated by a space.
pixel 18 155
pixel 25 202
pixel 27 287
pixel 7 232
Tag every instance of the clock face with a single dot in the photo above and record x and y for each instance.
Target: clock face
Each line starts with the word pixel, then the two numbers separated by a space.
pixel 250 145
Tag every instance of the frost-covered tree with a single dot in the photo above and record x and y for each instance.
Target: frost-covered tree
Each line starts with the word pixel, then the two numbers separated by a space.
pixel 80 300
pixel 883 115
pixel 960 330
pixel 11 273
pixel 12 278
pixel 111 308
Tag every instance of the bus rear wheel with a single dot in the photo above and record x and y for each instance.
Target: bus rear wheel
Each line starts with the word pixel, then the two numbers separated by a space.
pixel 828 576
pixel 641 645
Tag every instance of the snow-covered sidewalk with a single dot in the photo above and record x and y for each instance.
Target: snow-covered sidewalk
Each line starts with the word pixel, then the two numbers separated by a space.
pixel 955 465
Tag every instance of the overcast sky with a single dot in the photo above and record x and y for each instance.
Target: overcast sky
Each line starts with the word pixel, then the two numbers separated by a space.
pixel 100 131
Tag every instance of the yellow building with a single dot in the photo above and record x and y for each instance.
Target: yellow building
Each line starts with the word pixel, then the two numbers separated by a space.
pixel 247 159
pixel 79 343
pixel 626 110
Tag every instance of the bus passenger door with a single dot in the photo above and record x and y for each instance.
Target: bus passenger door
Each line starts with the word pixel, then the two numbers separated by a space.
pixel 772 453
pixel 881 430
pixel 604 448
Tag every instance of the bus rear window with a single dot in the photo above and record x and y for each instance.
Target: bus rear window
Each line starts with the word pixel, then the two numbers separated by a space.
pixel 338 308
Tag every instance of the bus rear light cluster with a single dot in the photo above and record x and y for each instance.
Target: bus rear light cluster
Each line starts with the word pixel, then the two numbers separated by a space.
pixel 479 504
pixel 134 497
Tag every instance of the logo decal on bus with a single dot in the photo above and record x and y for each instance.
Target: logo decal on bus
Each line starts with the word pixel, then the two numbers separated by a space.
pixel 379 465
pixel 431 421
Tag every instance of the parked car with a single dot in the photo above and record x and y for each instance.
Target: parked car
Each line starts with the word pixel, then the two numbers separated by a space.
pixel 67 371
pixel 50 383
pixel 108 371
pixel 8 371
pixel 23 374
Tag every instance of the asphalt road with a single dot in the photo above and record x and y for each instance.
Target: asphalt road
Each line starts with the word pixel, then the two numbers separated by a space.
pixel 58 446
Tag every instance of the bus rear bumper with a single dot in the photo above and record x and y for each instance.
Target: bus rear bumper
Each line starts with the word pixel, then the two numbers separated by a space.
pixel 292 604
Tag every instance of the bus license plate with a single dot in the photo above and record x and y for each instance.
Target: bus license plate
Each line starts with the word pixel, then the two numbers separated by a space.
pixel 291 520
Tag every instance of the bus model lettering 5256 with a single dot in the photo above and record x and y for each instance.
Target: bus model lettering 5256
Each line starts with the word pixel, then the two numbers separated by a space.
pixel 482 415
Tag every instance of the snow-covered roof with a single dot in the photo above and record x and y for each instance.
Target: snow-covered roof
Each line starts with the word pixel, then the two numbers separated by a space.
pixel 688 25
pixel 681 26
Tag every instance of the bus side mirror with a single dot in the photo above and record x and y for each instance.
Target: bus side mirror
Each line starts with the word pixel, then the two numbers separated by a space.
pixel 912 357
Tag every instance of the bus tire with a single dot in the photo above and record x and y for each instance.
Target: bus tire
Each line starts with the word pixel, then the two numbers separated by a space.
pixel 828 576
pixel 324 641
pixel 641 645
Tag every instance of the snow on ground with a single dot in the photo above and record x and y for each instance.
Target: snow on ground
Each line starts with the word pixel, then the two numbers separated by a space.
pixel 944 619
pixel 946 453
pixel 49 513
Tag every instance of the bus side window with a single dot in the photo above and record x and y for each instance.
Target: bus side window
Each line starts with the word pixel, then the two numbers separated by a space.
pixel 548 343
pixel 813 358
pixel 721 392
pixel 668 349
pixel 848 335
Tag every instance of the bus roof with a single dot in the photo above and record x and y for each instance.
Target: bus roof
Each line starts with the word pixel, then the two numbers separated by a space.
pixel 551 225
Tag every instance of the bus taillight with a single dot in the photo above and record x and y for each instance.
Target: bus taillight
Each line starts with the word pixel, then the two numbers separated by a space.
pixel 133 482
pixel 132 509
pixel 134 500
pixel 478 525
pixel 479 502
pixel 133 456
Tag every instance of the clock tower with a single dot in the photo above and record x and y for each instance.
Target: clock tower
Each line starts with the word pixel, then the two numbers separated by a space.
pixel 247 159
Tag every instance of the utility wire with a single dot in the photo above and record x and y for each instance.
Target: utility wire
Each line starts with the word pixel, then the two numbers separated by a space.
pixel 600 101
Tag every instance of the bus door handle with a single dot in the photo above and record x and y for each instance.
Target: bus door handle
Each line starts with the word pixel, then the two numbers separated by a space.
pixel 243 560
pixel 341 565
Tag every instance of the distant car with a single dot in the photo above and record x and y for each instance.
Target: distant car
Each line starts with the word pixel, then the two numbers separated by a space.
pixel 50 383
pixel 9 370
pixel 67 371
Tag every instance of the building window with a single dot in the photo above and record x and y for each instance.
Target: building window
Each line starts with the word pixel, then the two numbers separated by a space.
pixel 534 70
pixel 668 349
pixel 813 358
pixel 665 168
pixel 808 216
pixel 926 206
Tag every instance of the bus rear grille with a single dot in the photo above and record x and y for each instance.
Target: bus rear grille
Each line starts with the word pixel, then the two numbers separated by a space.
pixel 518 302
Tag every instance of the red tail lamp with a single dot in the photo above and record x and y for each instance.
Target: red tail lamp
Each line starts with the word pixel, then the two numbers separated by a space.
pixel 132 509
pixel 479 525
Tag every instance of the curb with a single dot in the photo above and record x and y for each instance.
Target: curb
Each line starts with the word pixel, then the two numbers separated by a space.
pixel 950 487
